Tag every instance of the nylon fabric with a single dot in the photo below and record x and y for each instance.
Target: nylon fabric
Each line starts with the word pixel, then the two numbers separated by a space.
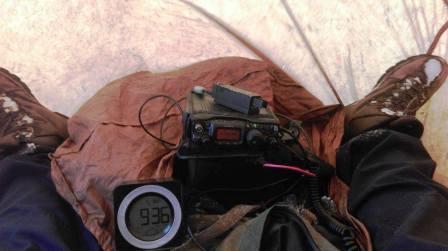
pixel 107 146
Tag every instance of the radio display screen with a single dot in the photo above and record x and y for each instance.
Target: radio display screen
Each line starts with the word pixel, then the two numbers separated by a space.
pixel 228 134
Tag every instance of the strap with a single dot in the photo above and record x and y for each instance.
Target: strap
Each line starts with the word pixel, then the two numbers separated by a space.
pixel 221 226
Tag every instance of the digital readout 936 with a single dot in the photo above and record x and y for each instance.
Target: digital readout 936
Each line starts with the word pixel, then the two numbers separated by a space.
pixel 148 216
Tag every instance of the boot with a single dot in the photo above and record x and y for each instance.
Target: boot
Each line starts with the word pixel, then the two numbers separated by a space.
pixel 25 124
pixel 397 96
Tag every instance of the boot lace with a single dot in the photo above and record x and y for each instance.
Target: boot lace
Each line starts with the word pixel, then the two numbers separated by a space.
pixel 405 98
pixel 13 120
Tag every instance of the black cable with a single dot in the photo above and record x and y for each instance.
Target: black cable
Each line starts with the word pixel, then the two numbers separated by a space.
pixel 174 102
pixel 345 231
pixel 350 243
pixel 334 225
pixel 162 122
pixel 315 196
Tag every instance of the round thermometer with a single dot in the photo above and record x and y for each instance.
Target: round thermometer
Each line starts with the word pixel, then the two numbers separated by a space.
pixel 148 215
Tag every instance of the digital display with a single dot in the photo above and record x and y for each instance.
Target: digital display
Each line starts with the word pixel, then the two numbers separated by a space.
pixel 228 134
pixel 149 217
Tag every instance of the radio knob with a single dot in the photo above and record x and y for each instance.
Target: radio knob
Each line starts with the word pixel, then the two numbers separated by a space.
pixel 198 128
pixel 254 137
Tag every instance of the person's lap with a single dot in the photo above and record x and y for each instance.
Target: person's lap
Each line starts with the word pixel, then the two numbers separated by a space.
pixel 32 214
pixel 392 191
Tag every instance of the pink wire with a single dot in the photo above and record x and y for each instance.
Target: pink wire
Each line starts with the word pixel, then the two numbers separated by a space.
pixel 291 168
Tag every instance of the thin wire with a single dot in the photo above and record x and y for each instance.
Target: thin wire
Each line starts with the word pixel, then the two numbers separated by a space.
pixel 267 202
pixel 162 123
pixel 310 48
pixel 288 190
pixel 243 189
pixel 181 246
pixel 194 239
pixel 141 121
pixel 192 198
